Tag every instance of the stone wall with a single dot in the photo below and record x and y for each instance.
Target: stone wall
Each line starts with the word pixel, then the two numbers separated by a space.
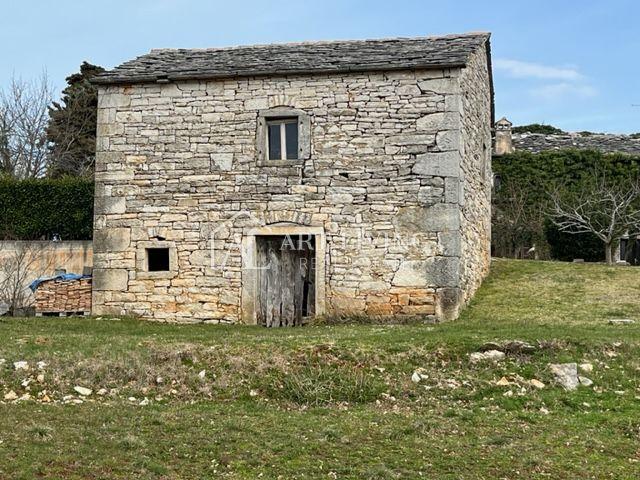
pixel 43 258
pixel 476 174
pixel 177 165
pixel 608 143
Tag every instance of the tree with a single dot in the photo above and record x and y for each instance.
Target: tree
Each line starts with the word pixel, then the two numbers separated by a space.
pixel 537 128
pixel 516 227
pixel 606 208
pixel 72 125
pixel 521 201
pixel 23 124
pixel 20 265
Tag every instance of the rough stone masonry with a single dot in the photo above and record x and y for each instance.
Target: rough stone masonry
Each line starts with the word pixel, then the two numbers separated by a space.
pixel 391 177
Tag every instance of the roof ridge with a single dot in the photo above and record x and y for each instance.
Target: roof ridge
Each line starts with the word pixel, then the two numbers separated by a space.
pixel 320 42
pixel 580 134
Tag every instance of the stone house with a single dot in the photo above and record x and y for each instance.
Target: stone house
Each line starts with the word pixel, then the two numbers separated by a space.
pixel 267 184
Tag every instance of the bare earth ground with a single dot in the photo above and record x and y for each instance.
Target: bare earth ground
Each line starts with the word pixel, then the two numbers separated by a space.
pixel 336 402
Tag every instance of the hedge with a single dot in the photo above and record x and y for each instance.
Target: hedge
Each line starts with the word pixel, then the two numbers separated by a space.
pixel 36 209
pixel 534 175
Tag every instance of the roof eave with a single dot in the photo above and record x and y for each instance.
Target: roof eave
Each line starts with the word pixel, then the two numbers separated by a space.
pixel 114 80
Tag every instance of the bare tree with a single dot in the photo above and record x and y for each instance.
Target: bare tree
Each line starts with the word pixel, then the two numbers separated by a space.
pixel 518 227
pixel 24 116
pixel 18 267
pixel 607 209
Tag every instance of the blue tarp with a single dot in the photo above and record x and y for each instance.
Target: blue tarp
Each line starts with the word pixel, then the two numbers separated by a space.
pixel 63 276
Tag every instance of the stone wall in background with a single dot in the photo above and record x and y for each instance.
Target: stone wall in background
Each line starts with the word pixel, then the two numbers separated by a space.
pixel 43 258
pixel 177 165
pixel 608 143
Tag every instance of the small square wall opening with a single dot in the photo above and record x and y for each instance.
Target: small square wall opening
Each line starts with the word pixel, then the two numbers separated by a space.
pixel 157 259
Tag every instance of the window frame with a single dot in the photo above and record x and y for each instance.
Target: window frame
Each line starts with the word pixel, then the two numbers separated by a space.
pixel 142 260
pixel 262 132
pixel 282 122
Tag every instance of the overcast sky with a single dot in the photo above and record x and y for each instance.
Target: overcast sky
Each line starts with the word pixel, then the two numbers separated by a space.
pixel 573 64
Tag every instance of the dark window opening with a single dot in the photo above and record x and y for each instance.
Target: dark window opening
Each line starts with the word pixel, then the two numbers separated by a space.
pixel 291 136
pixel 282 138
pixel 275 152
pixel 158 259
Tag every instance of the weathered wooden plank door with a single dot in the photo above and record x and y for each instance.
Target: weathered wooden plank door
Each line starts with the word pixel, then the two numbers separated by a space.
pixel 286 290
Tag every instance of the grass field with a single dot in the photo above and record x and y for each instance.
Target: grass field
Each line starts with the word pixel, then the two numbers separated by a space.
pixel 336 401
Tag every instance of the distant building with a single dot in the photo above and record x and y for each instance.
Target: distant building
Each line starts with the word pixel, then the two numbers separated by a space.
pixel 507 142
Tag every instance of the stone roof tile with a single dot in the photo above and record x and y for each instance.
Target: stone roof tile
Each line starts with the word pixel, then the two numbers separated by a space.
pixel 447 51
pixel 607 143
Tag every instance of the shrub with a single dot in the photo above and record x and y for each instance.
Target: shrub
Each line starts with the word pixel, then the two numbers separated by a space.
pixel 537 128
pixel 521 199
pixel 36 209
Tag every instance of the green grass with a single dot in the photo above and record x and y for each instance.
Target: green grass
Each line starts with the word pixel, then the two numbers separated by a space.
pixel 337 401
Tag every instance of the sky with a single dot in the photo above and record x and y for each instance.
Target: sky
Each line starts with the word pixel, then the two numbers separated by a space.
pixel 571 64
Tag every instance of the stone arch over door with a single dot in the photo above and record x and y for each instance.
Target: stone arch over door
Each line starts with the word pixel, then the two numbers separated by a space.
pixel 287 217
pixel 250 267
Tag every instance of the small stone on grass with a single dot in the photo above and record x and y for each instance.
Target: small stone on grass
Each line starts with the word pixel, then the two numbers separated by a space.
pixel 490 355
pixel 566 374
pixel 621 321
pixel 536 383
pixel 586 367
pixel 11 395
pixel 83 391
pixel 21 365
pixel 587 382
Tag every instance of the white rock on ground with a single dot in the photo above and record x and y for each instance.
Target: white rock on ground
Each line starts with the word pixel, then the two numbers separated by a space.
pixel 41 365
pixel 10 395
pixel 417 376
pixel 536 383
pixel 621 321
pixel 2 361
pixel 509 346
pixel 587 382
pixel 202 374
pixel 83 390
pixel 566 374
pixel 21 365
pixel 586 367
pixel 491 355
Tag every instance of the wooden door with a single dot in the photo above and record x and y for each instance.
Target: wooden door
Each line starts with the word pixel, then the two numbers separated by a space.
pixel 286 290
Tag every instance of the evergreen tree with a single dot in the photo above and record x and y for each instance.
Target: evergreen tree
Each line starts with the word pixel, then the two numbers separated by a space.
pixel 72 126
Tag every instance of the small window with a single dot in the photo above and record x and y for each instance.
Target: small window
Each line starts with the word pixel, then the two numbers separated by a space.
pixel 158 259
pixel 282 138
